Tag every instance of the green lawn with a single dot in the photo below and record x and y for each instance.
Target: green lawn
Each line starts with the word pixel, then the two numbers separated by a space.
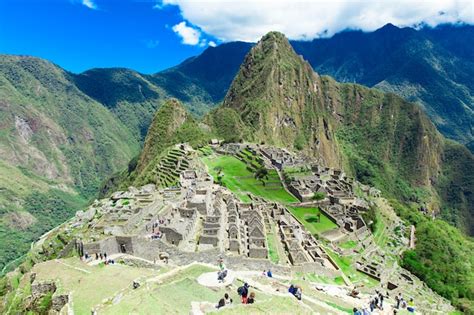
pixel 308 217
pixel 89 285
pixel 348 244
pixel 240 180
pixel 272 250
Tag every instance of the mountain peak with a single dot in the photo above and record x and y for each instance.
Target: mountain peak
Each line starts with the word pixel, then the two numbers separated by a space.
pixel 274 36
pixel 389 26
pixel 169 118
pixel 272 94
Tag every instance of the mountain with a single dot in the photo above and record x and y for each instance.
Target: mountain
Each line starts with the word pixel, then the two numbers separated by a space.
pixel 171 124
pixel 57 145
pixel 431 66
pixel 425 66
pixel 276 98
pixel 63 133
pixel 379 138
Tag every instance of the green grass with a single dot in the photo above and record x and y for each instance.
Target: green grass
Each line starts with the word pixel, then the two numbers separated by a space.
pixel 308 217
pixel 348 244
pixel 272 250
pixel 345 264
pixel 241 181
pixel 89 289
pixel 273 305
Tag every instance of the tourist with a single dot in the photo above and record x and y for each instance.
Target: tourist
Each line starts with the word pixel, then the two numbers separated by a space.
pixel 269 273
pixel 101 256
pixel 221 264
pixel 403 303
pixel 411 306
pixel 221 275
pixel 381 297
pixel 221 303
pixel 365 311
pixel 105 256
pixel 96 256
pixel 372 305
pixel 398 299
pixel 243 292
pixel 227 299
pixel 251 298
pixel 292 289
pixel 299 292
pixel 355 311
pixel 264 273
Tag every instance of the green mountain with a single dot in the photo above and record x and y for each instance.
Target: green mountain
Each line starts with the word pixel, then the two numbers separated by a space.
pixel 57 145
pixel 171 124
pixel 379 138
pixel 275 98
pixel 430 66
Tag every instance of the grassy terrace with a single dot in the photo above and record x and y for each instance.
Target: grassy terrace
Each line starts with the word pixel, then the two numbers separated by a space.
pixel 237 178
pixel 308 217
pixel 345 263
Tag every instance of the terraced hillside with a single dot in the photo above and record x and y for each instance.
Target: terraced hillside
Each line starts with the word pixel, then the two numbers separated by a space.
pixel 166 172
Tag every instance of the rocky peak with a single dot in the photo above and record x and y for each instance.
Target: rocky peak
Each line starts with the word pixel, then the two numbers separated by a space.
pixel 278 97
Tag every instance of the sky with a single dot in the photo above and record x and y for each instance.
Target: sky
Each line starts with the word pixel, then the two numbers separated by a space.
pixel 152 35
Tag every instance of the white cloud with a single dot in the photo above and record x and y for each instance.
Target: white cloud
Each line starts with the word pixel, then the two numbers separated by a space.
pixel 248 20
pixel 212 43
pixel 90 4
pixel 188 34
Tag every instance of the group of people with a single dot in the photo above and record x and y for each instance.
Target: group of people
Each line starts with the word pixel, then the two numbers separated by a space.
pixel 267 273
pixel 101 256
pixel 296 291
pixel 155 229
pixel 401 303
pixel 377 302
pixel 243 292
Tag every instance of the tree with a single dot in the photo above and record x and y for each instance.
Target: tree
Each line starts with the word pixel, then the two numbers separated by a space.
pixel 319 196
pixel 261 173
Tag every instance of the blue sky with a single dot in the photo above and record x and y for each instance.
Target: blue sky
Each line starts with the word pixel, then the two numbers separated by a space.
pixel 152 35
pixel 118 33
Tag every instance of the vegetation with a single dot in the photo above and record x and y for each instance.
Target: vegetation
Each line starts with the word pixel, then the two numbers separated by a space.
pixel 319 195
pixel 240 180
pixel 370 218
pixel 442 258
pixel 313 219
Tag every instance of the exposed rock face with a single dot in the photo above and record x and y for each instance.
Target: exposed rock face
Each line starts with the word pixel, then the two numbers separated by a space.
pixel 59 301
pixel 40 289
pixel 19 220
